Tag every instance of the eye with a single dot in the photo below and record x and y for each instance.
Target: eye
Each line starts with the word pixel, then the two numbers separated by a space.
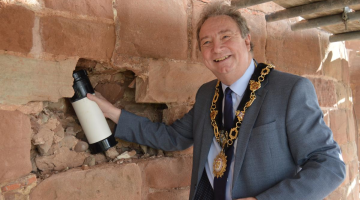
pixel 225 36
pixel 206 43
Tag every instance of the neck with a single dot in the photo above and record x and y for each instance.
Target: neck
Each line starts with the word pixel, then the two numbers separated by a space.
pixel 229 79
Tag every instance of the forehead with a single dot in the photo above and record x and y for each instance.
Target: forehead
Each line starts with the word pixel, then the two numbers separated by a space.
pixel 218 24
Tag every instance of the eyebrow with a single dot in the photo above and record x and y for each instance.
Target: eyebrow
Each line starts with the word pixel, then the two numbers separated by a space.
pixel 220 32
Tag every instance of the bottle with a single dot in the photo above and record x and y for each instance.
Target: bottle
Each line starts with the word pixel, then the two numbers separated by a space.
pixel 91 118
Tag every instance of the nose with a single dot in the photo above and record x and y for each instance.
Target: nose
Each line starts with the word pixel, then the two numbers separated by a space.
pixel 217 46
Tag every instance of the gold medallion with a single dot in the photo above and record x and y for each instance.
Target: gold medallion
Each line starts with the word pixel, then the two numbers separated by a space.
pixel 219 165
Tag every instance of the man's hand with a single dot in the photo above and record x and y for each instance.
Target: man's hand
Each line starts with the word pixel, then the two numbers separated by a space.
pixel 109 110
pixel 247 198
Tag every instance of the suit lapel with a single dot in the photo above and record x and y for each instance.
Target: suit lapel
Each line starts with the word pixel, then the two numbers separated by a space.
pixel 207 135
pixel 246 128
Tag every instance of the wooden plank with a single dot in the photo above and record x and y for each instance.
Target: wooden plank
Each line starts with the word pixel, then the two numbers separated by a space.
pixel 355 35
pixel 247 3
pixel 321 6
pixel 324 21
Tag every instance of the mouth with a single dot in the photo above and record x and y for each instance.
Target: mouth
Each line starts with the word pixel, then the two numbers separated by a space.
pixel 221 59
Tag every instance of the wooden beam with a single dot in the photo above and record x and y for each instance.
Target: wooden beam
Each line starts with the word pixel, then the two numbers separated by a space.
pixel 355 35
pixel 324 21
pixel 247 3
pixel 311 8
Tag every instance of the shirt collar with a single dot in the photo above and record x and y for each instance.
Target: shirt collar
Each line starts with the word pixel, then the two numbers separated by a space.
pixel 240 85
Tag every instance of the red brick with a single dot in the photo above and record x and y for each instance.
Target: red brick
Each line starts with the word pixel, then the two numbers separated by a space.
pixel 290 51
pixel 156 29
pixel 16 25
pixel 73 37
pixel 339 124
pixel 11 187
pixel 170 82
pixel 172 194
pixel 175 172
pixel 97 8
pixel 325 91
pixel 109 181
pixel 15 131
pixel 30 180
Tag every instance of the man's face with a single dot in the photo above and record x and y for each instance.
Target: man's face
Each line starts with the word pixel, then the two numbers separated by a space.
pixel 223 49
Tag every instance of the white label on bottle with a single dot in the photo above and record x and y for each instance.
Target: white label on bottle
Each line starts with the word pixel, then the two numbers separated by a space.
pixel 92 120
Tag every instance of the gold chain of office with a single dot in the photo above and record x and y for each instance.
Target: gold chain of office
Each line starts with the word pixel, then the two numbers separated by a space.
pixel 219 164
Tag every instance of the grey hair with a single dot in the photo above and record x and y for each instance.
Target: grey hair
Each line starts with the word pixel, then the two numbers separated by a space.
pixel 220 8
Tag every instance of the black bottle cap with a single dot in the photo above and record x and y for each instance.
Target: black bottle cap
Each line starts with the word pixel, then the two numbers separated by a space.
pixel 102 145
pixel 82 85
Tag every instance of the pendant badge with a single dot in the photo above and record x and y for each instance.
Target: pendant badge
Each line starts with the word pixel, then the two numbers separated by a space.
pixel 219 165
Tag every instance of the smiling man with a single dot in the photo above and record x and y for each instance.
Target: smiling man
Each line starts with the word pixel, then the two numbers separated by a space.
pixel 257 133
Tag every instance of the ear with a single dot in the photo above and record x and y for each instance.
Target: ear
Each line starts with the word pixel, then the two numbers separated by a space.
pixel 248 41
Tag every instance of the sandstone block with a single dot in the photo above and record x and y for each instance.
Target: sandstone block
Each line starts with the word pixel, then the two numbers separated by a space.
pixel 169 82
pixel 73 37
pixel 61 160
pixel 349 152
pixel 113 92
pixel 353 169
pixel 257 25
pixel 146 32
pixel 96 8
pixel 23 79
pixel 172 194
pixel 29 108
pixel 111 182
pixel 343 94
pixel 325 91
pixel 15 131
pixel 174 112
pixel 175 172
pixel 339 124
pixel 290 51
pixel 16 23
pixel 352 126
pixel 353 44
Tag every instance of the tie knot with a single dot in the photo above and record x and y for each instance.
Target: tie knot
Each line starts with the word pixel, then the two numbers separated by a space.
pixel 228 91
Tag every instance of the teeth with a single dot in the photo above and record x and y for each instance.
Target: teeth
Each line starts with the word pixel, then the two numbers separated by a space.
pixel 221 59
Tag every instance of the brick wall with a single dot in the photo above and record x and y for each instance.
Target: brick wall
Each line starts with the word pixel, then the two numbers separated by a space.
pixel 147 51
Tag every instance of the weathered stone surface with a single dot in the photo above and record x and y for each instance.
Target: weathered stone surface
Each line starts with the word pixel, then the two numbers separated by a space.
pixel 257 25
pixel 16 23
pixel 174 172
pixel 73 37
pixel 325 91
pixel 172 194
pixel 29 108
pixel 111 182
pixel 69 141
pixel 111 153
pixel 353 44
pixel 97 8
pixel 89 161
pixel 111 91
pixel 290 51
pixel 62 159
pixel 15 145
pixel 23 79
pixel 81 146
pixel 338 124
pixel 168 82
pixel 343 93
pixel 45 137
pixel 174 112
pixel 146 32
pixel 349 151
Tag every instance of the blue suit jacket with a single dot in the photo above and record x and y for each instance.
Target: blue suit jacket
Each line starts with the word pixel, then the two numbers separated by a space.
pixel 284 149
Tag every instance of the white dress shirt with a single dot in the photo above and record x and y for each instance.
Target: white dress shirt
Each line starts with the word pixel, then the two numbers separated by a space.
pixel 238 89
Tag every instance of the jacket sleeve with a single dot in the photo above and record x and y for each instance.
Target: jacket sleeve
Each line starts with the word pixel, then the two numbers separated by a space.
pixel 141 130
pixel 312 147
